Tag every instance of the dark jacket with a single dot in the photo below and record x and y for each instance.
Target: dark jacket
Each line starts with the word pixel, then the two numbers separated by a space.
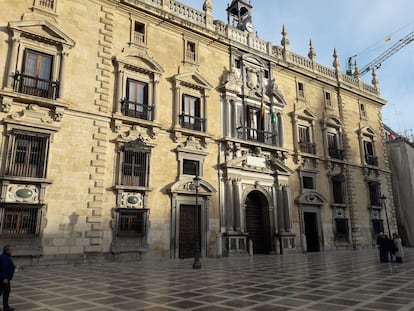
pixel 6 267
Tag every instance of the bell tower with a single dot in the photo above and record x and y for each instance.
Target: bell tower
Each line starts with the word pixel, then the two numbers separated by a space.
pixel 239 13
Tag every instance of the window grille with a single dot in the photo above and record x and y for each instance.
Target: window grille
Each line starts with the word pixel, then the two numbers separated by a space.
pixel 49 4
pixel 132 222
pixel 19 220
pixel 28 155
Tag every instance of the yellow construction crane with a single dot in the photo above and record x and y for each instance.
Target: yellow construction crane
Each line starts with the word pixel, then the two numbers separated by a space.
pixel 376 63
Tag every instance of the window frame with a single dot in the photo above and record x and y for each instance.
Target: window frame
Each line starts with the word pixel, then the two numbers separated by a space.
pixel 343 237
pixel 305 131
pixel 338 189
pixel 374 192
pixel 191 51
pixel 139 36
pixel 19 210
pixel 55 43
pixel 40 170
pixel 142 224
pixel 191 113
pixel 136 149
pixel 300 89
pixel 141 108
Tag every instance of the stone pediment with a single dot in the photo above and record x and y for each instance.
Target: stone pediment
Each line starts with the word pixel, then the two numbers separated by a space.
pixel 311 198
pixel 41 30
pixel 139 61
pixel 186 186
pixel 281 168
pixel 333 121
pixel 249 162
pixel 193 79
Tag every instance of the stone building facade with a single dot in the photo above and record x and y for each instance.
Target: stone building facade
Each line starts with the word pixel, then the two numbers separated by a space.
pixel 129 128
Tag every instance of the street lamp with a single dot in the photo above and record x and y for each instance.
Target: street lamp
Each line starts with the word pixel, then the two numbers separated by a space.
pixel 383 198
pixel 197 263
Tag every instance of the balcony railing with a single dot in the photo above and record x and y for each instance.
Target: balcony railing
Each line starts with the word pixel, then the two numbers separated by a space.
pixel 336 153
pixel 371 160
pixel 192 122
pixel 35 86
pixel 307 147
pixel 137 110
pixel 254 134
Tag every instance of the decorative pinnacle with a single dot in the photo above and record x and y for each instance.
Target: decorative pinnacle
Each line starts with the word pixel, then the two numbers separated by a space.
pixel 285 41
pixel 312 53
pixel 336 63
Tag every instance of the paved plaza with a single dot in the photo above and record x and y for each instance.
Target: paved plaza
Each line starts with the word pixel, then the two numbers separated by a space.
pixel 340 280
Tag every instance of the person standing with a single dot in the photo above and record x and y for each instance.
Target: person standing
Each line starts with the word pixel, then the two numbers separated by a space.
pixel 7 268
pixel 382 246
pixel 399 252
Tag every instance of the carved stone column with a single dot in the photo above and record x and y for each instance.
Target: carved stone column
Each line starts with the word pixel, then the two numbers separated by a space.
pixel 63 55
pixel 286 209
pixel 14 42
pixel 236 204
pixel 280 209
pixel 229 205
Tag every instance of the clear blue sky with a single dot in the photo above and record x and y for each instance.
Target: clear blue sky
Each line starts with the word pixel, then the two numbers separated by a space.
pixel 352 27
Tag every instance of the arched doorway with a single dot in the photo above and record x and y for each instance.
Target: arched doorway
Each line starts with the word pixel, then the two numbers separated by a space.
pixel 257 222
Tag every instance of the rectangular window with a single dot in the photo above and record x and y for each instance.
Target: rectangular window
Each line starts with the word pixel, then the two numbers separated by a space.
pixel 328 99
pixel 136 103
pixel 307 182
pixel 374 193
pixel 253 119
pixel 48 4
pixel 36 76
pixel 362 110
pixel 342 230
pixel 135 168
pixel 139 32
pixel 191 113
pixel 333 146
pixel 301 90
pixel 370 157
pixel 305 143
pixel 338 189
pixel 191 167
pixel 19 220
pixel 27 155
pixel 132 222
pixel 191 51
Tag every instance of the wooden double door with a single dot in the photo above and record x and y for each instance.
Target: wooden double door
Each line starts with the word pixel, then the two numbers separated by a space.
pixel 188 230
pixel 257 223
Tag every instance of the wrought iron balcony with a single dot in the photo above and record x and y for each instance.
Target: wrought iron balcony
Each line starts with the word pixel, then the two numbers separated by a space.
pixel 137 110
pixel 254 134
pixel 336 153
pixel 371 160
pixel 307 147
pixel 35 86
pixel 192 122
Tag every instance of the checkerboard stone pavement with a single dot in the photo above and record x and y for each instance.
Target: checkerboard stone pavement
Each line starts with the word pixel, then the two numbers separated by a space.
pixel 332 280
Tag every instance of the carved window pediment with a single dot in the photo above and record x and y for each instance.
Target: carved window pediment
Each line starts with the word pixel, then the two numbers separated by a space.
pixel 41 31
pixel 192 80
pixel 139 62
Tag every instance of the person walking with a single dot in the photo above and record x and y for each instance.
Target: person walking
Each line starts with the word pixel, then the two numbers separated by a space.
pixel 7 268
pixel 399 252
